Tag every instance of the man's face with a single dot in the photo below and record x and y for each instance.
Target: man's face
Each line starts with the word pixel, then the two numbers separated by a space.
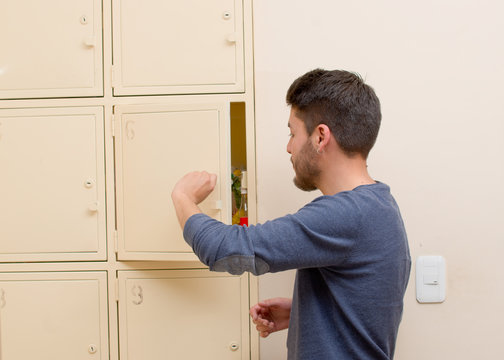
pixel 304 157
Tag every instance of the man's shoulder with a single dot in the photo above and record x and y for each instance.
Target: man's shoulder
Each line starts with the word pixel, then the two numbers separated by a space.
pixel 363 193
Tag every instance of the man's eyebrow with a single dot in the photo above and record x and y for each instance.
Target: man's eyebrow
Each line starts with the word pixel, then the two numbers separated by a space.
pixel 288 124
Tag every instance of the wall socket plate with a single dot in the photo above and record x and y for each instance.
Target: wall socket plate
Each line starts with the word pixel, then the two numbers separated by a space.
pixel 430 279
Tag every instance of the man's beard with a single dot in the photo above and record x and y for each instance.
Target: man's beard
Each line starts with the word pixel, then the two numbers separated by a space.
pixel 306 168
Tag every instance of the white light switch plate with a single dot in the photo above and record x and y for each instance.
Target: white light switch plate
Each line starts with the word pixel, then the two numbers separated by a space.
pixel 430 279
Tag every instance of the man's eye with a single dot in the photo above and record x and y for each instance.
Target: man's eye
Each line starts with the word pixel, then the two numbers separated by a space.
pixel 291 135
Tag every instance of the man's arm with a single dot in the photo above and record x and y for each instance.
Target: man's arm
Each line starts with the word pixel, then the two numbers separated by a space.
pixel 189 191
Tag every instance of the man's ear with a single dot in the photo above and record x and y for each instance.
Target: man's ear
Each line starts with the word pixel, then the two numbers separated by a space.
pixel 322 137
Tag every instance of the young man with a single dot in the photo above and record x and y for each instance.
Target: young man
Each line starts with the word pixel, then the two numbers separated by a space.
pixel 349 245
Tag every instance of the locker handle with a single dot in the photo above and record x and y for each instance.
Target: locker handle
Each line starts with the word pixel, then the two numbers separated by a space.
pixel 231 38
pixel 217 205
pixel 93 207
pixel 90 41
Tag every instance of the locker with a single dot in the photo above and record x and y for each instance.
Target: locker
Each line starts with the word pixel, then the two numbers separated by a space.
pixel 52 184
pixel 155 146
pixel 183 314
pixel 88 160
pixel 53 316
pixel 178 47
pixel 50 48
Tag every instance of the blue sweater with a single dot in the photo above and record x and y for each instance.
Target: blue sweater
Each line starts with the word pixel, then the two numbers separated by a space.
pixel 353 262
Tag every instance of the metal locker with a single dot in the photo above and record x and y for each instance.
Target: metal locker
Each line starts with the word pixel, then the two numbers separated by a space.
pixel 155 146
pixel 178 47
pixel 183 314
pixel 52 184
pixel 53 316
pixel 50 48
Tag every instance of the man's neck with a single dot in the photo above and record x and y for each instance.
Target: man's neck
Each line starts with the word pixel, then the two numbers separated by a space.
pixel 344 175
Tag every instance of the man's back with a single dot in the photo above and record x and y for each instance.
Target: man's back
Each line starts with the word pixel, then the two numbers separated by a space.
pixel 352 310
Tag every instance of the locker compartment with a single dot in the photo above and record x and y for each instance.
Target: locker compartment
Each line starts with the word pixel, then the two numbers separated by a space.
pixel 178 46
pixel 155 146
pixel 53 316
pixel 50 48
pixel 52 184
pixel 183 314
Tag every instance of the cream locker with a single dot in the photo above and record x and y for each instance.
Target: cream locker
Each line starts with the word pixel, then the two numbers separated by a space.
pixel 50 48
pixel 53 316
pixel 52 184
pixel 178 46
pixel 183 314
pixel 155 146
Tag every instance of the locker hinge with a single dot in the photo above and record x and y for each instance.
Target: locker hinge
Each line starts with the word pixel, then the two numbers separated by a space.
pixel 114 76
pixel 117 290
pixel 116 241
pixel 113 125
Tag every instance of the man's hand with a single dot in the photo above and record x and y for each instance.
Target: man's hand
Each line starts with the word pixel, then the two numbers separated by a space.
pixel 271 315
pixel 189 191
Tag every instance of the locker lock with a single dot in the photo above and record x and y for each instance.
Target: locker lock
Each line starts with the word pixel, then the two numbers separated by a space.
pixel 226 15
pixel 89 183
pixel 234 346
pixel 84 20
pixel 92 348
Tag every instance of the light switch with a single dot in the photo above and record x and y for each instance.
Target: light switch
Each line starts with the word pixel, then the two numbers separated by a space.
pixel 430 279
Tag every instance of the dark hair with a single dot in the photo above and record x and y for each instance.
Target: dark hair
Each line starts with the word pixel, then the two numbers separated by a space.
pixel 342 101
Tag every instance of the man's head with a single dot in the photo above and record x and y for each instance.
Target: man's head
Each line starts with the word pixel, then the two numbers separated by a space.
pixel 342 101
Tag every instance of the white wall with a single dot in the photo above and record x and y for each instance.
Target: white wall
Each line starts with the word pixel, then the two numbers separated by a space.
pixel 438 69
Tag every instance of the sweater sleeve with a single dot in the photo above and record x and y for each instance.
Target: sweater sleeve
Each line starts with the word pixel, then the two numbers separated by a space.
pixel 322 233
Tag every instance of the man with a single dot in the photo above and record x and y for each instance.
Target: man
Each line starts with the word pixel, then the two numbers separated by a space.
pixel 349 245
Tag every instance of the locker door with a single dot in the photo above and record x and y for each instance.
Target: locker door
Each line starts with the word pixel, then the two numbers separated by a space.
pixel 50 48
pixel 53 316
pixel 178 46
pixel 187 314
pixel 52 184
pixel 155 146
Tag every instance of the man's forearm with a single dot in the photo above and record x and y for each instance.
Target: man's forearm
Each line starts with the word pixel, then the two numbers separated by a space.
pixel 184 207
